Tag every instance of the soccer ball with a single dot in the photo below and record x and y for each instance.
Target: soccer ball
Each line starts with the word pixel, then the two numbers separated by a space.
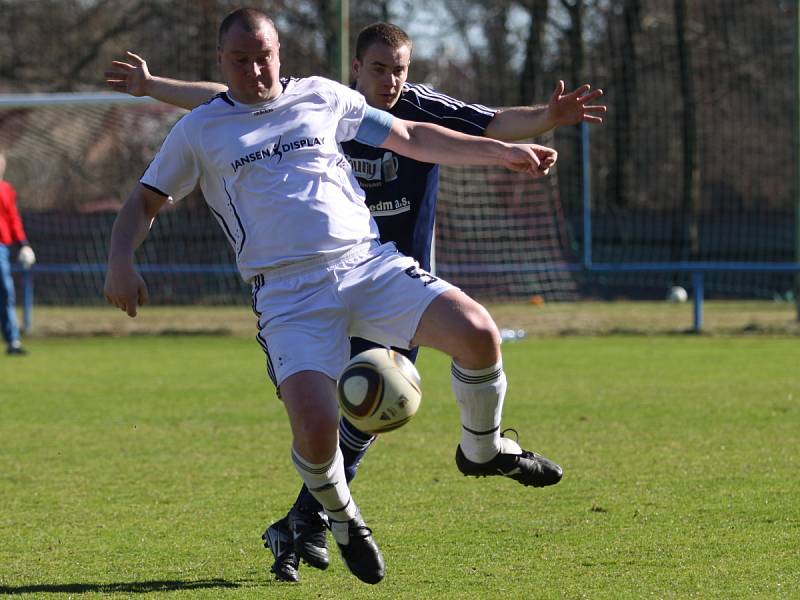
pixel 379 390
pixel 677 294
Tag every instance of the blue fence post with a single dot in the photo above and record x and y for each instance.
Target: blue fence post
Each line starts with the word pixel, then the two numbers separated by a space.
pixel 698 291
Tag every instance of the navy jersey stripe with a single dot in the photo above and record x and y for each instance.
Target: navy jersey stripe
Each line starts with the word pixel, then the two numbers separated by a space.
pixel 270 369
pixel 445 119
pixel 155 189
pixel 235 214
pixel 258 281
pixel 426 92
pixel 420 103
pixel 224 225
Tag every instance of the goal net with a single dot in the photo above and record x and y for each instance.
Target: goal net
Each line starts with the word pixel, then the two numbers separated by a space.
pixel 502 235
pixel 74 158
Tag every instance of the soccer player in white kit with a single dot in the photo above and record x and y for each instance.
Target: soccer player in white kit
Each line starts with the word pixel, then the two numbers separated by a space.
pixel 268 161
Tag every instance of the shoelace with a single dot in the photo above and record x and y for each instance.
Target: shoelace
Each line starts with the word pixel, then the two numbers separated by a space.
pixel 525 453
pixel 364 531
pixel 516 433
pixel 361 531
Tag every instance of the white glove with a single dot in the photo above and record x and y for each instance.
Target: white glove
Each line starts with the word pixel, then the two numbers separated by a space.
pixel 26 257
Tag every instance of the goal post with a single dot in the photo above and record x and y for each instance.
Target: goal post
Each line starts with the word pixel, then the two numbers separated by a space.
pixel 8 101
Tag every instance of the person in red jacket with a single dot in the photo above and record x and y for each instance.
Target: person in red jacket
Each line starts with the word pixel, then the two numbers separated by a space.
pixel 11 233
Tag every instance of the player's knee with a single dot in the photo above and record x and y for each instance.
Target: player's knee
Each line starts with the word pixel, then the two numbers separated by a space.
pixel 315 431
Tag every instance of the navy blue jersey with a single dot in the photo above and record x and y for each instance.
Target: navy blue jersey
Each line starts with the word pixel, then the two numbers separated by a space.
pixel 401 192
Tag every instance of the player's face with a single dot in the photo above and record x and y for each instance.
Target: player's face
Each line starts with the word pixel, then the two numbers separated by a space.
pixel 381 73
pixel 250 64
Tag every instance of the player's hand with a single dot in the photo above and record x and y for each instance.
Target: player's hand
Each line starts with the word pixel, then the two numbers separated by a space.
pixel 547 157
pixel 125 288
pixel 129 77
pixel 26 257
pixel 574 107
pixel 530 158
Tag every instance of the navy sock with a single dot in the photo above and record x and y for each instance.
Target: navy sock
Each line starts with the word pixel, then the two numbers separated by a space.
pixel 354 444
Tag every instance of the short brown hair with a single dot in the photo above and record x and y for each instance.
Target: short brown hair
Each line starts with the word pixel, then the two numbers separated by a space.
pixel 385 33
pixel 250 19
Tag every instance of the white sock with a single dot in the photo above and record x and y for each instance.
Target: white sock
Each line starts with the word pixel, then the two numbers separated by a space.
pixel 479 394
pixel 328 485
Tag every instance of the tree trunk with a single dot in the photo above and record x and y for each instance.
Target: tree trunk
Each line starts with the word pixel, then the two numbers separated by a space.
pixel 690 189
pixel 531 87
pixel 626 78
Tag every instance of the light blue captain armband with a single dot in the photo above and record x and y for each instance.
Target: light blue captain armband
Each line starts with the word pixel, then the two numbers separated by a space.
pixel 374 128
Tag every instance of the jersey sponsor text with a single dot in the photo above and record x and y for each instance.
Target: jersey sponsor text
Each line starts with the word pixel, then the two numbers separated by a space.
pixel 387 208
pixel 380 169
pixel 277 149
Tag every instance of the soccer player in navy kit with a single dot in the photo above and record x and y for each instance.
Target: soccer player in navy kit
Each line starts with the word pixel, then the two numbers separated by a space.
pixel 401 194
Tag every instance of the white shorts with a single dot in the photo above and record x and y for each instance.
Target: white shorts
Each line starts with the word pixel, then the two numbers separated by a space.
pixel 307 312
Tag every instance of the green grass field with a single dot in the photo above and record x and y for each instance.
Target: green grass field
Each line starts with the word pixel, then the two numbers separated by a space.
pixel 149 466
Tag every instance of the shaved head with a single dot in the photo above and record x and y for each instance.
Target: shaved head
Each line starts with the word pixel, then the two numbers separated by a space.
pixel 250 20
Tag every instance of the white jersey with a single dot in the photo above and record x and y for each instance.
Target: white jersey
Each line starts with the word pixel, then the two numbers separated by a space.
pixel 273 174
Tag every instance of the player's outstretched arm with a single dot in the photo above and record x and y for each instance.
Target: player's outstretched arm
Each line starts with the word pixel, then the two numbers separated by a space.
pixel 434 144
pixel 134 78
pixel 124 287
pixel 521 122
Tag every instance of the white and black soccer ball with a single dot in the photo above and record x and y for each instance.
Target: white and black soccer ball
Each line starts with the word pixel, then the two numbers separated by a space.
pixel 379 390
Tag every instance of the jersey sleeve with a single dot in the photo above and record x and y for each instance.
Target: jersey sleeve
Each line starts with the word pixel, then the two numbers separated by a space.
pixel 176 169
pixel 14 220
pixel 348 106
pixel 423 103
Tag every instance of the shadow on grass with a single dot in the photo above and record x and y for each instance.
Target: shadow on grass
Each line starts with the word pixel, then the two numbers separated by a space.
pixel 133 587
